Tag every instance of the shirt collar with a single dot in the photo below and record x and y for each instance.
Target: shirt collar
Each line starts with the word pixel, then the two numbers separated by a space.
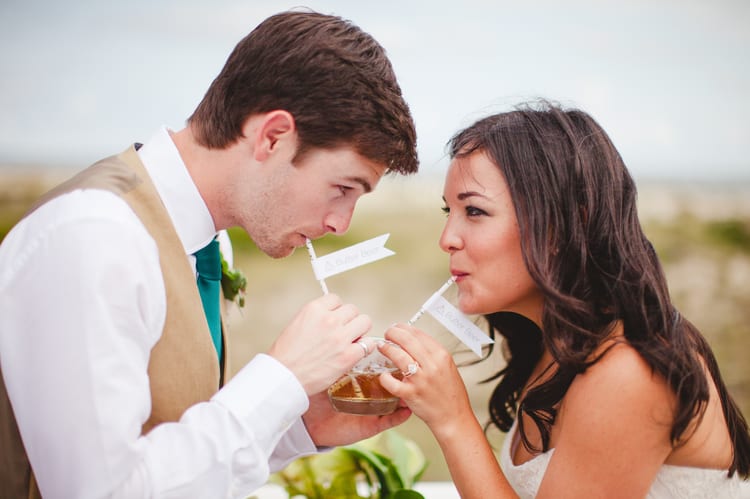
pixel 175 186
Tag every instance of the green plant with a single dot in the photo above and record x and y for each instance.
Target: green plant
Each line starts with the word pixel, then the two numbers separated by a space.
pixel 732 233
pixel 233 283
pixel 382 467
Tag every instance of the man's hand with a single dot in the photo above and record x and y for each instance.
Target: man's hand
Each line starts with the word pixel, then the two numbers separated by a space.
pixel 329 428
pixel 318 346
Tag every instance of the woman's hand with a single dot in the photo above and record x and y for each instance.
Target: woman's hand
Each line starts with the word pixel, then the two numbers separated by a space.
pixel 435 392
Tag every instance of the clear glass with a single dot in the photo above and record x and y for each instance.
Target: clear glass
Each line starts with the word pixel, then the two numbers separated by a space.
pixel 359 391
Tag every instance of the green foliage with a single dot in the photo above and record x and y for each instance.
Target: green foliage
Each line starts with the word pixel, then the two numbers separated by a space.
pixel 233 283
pixel 689 235
pixel 383 467
pixel 731 233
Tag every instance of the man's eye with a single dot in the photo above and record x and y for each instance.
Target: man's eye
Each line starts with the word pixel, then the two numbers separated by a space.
pixel 344 189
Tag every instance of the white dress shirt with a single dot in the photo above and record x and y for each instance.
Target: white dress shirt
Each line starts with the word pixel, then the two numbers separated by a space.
pixel 82 302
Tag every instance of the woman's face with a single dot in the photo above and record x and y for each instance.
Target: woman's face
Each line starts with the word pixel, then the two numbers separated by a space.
pixel 482 237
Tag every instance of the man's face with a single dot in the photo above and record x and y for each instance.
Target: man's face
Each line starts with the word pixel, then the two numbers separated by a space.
pixel 308 199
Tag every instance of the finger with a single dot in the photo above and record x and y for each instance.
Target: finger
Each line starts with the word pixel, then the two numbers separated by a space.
pixel 330 301
pixel 358 350
pixel 399 356
pixel 395 418
pixel 371 344
pixel 399 333
pixel 346 312
pixel 364 345
pixel 412 340
pixel 393 385
pixel 357 327
pixel 404 340
pixel 411 369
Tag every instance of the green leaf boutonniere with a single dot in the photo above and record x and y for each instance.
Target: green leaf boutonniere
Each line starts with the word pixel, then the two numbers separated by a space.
pixel 233 283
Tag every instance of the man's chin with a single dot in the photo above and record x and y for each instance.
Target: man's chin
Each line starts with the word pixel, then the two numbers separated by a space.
pixel 279 252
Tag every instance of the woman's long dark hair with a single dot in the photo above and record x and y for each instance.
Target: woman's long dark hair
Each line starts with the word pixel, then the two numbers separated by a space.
pixel 584 247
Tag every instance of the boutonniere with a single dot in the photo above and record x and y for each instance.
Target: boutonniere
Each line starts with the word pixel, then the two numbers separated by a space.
pixel 233 283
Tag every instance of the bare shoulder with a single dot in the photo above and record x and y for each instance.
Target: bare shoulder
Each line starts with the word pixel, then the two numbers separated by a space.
pixel 611 434
pixel 618 403
pixel 621 383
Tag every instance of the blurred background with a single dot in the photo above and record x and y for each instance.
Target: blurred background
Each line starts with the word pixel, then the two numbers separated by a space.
pixel 667 79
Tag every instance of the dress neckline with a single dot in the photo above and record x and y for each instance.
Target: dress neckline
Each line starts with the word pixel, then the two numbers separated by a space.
pixel 546 455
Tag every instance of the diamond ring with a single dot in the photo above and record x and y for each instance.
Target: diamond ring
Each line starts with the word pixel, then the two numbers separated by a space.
pixel 411 369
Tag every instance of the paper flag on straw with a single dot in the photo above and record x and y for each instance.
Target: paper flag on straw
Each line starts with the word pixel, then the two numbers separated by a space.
pixel 351 257
pixel 457 323
pixel 432 298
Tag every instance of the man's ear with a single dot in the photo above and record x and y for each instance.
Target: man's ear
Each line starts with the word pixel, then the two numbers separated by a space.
pixel 276 130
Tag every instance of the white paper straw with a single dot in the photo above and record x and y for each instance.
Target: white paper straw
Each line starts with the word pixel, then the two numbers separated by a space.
pixel 310 250
pixel 432 298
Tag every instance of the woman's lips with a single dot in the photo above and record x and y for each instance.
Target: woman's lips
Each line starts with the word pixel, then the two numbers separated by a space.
pixel 459 275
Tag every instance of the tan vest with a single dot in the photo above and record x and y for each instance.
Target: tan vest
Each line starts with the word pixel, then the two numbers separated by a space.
pixel 183 368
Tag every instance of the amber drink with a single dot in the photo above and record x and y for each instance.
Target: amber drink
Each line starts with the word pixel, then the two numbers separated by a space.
pixel 359 391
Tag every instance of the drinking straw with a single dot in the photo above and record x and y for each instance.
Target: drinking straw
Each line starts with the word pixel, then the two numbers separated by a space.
pixel 431 299
pixel 310 250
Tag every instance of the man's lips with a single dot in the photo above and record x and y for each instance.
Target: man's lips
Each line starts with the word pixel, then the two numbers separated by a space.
pixel 313 234
pixel 304 240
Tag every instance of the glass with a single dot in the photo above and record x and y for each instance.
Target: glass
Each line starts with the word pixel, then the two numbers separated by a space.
pixel 359 391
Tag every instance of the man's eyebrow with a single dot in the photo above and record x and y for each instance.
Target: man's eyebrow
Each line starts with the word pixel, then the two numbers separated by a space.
pixel 361 181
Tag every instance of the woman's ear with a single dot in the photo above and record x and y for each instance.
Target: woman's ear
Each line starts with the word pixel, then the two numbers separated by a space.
pixel 275 131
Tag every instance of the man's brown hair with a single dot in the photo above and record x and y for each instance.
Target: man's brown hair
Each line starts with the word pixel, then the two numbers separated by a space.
pixel 335 79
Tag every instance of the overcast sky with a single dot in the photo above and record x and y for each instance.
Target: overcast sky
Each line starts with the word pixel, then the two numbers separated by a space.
pixel 668 79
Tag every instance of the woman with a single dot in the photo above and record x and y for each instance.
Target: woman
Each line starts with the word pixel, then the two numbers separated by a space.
pixel 608 391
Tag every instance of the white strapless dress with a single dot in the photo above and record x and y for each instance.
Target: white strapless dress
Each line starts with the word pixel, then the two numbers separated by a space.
pixel 672 482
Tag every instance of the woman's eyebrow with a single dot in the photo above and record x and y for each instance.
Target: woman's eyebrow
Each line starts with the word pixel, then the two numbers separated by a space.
pixel 465 195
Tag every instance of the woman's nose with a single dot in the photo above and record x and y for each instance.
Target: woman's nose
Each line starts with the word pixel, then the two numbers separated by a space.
pixel 449 239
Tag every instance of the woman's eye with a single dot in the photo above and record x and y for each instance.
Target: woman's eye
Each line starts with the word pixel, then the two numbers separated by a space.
pixel 472 211
pixel 445 210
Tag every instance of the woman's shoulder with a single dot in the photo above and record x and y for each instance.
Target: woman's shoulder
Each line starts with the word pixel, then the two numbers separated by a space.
pixel 612 427
pixel 617 364
pixel 620 389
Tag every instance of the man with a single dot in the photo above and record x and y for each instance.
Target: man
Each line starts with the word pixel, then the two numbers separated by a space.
pixel 111 381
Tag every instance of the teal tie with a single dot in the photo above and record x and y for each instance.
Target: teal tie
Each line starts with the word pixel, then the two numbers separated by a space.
pixel 208 267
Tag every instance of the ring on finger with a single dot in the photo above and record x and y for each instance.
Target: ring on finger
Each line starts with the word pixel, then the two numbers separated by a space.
pixel 411 369
pixel 365 348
